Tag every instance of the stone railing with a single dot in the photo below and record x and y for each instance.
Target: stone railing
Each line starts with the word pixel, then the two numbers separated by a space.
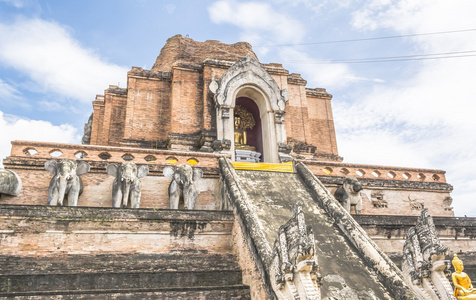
pixel 164 157
pixel 374 172
pixel 44 150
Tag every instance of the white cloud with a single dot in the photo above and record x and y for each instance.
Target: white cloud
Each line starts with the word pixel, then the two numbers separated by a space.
pixel 15 128
pixel 425 120
pixel 257 20
pixel 7 91
pixel 11 96
pixel 49 55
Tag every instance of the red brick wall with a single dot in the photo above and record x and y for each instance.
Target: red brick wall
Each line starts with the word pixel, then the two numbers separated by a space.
pixel 187 101
pixel 148 109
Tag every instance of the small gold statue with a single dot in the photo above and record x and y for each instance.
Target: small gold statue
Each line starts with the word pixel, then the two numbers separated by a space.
pixel 240 134
pixel 463 288
pixel 243 121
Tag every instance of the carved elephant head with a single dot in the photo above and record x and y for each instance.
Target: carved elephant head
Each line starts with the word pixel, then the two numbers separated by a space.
pixel 352 185
pixel 10 183
pixel 66 180
pixel 126 188
pixel 182 185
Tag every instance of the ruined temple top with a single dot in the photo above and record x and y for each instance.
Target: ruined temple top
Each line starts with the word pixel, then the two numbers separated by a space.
pixel 180 49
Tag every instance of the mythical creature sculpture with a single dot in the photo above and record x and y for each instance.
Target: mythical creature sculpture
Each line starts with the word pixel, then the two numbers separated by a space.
pixel 66 181
pixel 182 185
pixel 294 271
pixel 126 188
pixel 423 266
pixel 10 183
pixel 463 288
pixel 86 140
pixel 349 194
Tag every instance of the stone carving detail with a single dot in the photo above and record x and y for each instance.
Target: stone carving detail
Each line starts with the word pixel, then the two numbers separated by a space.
pixel 295 272
pixel 220 145
pixel 66 181
pixel 126 188
pixel 10 183
pixel 87 131
pixel 447 202
pixel 378 200
pixel 415 204
pixel 283 152
pixel 182 185
pixel 423 266
pixel 348 194
pixel 248 75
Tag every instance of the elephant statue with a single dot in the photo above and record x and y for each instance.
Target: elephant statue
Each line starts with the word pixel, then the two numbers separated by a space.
pixel 66 180
pixel 126 187
pixel 10 183
pixel 349 194
pixel 182 185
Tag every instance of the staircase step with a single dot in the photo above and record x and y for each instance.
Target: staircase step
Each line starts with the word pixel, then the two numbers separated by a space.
pixel 80 263
pixel 231 292
pixel 122 280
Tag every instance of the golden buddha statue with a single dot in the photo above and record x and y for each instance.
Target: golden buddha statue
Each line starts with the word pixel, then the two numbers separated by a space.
pixel 240 134
pixel 463 287
pixel 243 121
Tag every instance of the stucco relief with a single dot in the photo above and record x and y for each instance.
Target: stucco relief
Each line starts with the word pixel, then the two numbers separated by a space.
pixel 248 78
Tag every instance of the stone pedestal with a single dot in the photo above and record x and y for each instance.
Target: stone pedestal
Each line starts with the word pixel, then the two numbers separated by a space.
pixel 247 155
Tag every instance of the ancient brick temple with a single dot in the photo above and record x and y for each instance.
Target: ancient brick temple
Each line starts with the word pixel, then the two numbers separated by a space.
pixel 179 105
pixel 262 221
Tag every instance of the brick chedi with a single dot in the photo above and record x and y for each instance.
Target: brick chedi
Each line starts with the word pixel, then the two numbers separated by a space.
pixel 170 106
pixel 232 179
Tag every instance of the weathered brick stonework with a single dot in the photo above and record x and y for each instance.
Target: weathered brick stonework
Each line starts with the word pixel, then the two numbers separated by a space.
pixel 103 253
pixel 170 106
pixel 458 234
pixel 97 183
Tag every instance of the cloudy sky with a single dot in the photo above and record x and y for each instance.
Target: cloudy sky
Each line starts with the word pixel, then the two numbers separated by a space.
pixel 402 72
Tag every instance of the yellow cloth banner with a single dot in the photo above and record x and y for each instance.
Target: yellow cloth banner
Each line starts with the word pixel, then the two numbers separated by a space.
pixel 284 167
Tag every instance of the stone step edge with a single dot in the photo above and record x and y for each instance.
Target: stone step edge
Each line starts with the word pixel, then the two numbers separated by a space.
pixel 128 291
pixel 106 213
pixel 237 269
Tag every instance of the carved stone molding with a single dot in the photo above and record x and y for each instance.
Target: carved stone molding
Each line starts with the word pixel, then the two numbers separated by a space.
pixel 248 78
pixel 295 272
pixel 424 267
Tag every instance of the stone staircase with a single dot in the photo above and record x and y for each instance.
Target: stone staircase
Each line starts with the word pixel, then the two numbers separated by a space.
pixel 98 253
pixel 351 264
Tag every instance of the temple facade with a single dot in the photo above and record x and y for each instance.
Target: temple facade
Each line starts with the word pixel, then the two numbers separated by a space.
pixel 189 100
pixel 213 156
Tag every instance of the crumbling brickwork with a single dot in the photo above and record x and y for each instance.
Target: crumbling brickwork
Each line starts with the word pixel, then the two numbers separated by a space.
pixel 170 106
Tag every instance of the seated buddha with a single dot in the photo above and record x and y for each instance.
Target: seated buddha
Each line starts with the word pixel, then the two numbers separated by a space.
pixel 463 287
pixel 243 121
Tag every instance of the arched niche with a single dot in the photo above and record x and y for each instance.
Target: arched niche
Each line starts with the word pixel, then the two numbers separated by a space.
pixel 246 78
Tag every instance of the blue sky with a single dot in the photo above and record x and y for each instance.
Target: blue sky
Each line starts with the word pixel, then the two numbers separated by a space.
pixel 55 56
